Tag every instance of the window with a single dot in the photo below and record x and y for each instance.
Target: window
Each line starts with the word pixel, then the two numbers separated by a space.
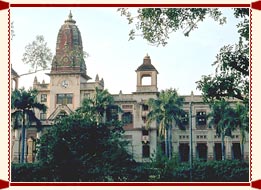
pixel 236 151
pixel 145 151
pixel 112 113
pixel 86 95
pixel 43 97
pixel 217 151
pixel 145 132
pixel 127 106
pixel 127 118
pixel 145 136
pixel 185 119
pixel 64 99
pixel 202 151
pixel 42 116
pixel 145 107
pixel 184 152
pixel 201 118
pixel 146 80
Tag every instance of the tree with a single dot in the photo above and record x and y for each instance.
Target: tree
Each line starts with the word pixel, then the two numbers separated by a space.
pixel 155 24
pixel 98 106
pixel 38 55
pixel 23 104
pixel 232 67
pixel 223 118
pixel 242 121
pixel 81 148
pixel 232 62
pixel 166 110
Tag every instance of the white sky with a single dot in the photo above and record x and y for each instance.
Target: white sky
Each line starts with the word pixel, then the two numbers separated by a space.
pixel 105 38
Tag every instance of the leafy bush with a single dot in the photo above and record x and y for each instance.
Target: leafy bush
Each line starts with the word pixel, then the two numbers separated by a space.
pixel 30 172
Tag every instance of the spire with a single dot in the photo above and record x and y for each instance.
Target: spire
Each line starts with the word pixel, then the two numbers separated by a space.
pixel 70 15
pixel 97 78
pixel 70 20
pixel 35 80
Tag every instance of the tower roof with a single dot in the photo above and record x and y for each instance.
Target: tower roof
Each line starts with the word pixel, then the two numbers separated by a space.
pixel 146 66
pixel 69 55
pixel 70 20
pixel 14 73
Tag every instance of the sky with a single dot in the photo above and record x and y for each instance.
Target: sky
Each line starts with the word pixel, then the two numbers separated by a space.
pixel 113 57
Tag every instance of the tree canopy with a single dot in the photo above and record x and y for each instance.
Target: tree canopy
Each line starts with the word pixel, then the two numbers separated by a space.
pixel 38 55
pixel 156 24
pixel 80 147
pixel 166 110
pixel 23 104
pixel 232 62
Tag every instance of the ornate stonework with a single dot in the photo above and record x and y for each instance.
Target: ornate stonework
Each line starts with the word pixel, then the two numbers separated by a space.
pixel 69 55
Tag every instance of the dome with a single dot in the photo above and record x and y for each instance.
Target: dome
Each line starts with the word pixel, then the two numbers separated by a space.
pixel 146 66
pixel 69 55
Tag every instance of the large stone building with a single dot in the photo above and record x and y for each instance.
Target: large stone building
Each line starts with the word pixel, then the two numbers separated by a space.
pixel 70 84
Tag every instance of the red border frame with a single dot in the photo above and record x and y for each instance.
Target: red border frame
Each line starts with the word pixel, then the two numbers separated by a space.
pixel 253 5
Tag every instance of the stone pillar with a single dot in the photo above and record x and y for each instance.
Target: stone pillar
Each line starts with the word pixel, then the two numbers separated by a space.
pixel 16 147
pixel 228 147
pixel 194 151
pixel 210 152
pixel 30 154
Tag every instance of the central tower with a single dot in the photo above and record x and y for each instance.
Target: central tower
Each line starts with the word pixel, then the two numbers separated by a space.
pixel 68 72
pixel 69 57
pixel 147 70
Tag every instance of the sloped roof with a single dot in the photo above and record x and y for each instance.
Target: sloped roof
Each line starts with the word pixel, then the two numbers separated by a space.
pixel 14 73
pixel 146 66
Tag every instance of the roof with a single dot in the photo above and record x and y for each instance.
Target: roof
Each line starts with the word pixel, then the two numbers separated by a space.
pixel 14 73
pixel 146 66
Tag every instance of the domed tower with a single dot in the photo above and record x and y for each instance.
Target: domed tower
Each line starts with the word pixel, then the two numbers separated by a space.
pixel 147 70
pixel 69 57
pixel 68 72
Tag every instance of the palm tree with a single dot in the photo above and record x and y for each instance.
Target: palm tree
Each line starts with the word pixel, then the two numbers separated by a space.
pixel 98 105
pixel 223 117
pixel 23 104
pixel 242 121
pixel 166 110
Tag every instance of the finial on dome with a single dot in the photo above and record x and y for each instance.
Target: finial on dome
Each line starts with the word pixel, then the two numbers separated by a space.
pixel 146 59
pixel 70 15
pixel 70 20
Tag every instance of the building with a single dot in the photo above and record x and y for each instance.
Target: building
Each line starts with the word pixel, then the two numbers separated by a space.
pixel 70 84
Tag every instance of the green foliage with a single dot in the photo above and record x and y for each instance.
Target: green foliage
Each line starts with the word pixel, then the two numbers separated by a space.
pixel 155 24
pixel 30 172
pixel 166 110
pixel 23 104
pixel 232 74
pixel 211 171
pixel 161 167
pixel 232 67
pixel 37 54
pixel 85 147
pixel 232 62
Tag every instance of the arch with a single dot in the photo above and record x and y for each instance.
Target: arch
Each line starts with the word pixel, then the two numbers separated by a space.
pixel 127 118
pixel 146 80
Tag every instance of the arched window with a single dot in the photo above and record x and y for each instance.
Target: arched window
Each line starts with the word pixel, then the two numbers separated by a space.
pixel 146 80
pixel 127 118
